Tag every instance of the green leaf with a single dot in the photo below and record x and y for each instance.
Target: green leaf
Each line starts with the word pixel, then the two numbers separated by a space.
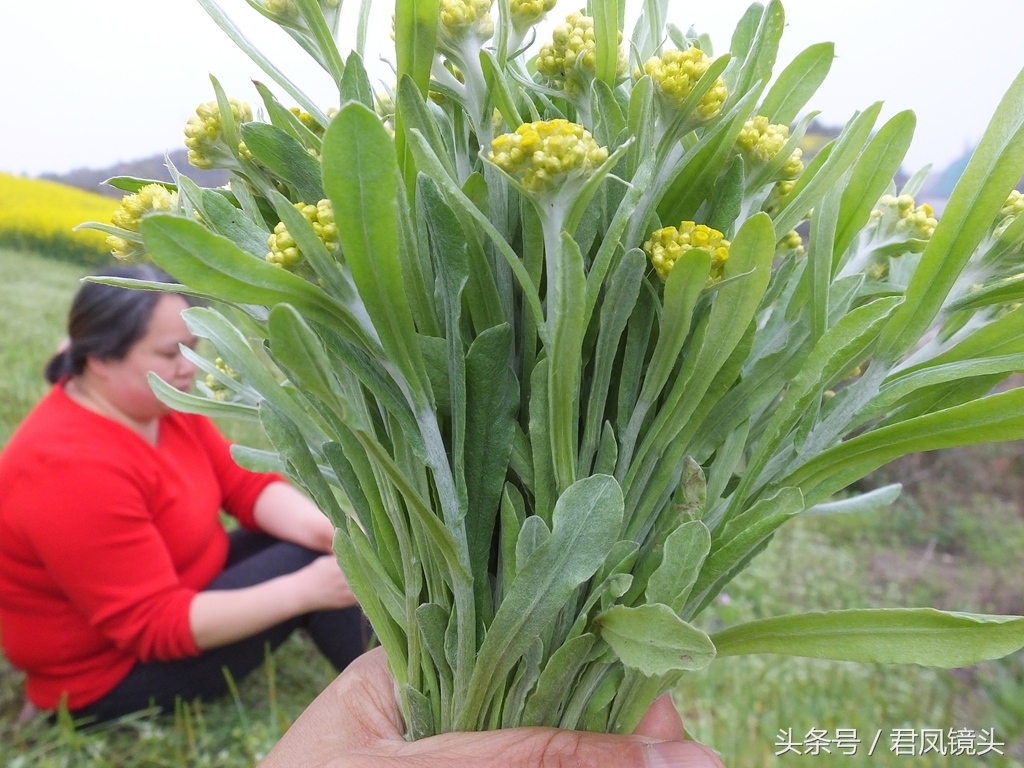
pixel 737 542
pixel 871 175
pixel 313 16
pixel 286 158
pixel 498 88
pixel 752 251
pixel 849 144
pixel 286 438
pixel 286 120
pixel 232 31
pixel 862 503
pixel 682 289
pixel 586 522
pixel 214 265
pixel 620 298
pixel 186 403
pixel 797 83
pixel 609 121
pixel 819 257
pixel 843 345
pixel 355 84
pixel 566 289
pixel 742 36
pixel 991 419
pixel 362 179
pixel 233 224
pixel 295 346
pixel 757 64
pixel 429 164
pixel 994 169
pixel 492 399
pixel 726 201
pixel 606 32
pixel 653 640
pixel 416 116
pixel 131 184
pixel 234 348
pixel 415 37
pixel 891 636
pixel 549 697
pixel 682 557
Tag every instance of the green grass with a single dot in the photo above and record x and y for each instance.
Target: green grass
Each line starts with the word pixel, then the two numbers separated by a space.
pixel 952 542
pixel 34 299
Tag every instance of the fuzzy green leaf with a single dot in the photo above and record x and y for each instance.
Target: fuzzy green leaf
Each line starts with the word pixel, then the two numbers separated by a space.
pixel 891 636
pixel 653 640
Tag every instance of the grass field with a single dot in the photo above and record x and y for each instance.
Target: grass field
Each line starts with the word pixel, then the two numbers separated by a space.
pixel 953 541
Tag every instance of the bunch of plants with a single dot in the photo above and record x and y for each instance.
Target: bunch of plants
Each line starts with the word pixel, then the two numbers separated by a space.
pixel 536 329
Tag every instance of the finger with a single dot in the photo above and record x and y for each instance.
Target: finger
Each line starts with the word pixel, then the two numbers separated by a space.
pixel 544 747
pixel 661 721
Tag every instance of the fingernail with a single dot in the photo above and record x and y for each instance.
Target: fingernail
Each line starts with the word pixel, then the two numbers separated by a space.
pixel 681 754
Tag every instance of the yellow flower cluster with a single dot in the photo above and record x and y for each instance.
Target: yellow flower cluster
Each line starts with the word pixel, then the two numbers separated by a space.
pixel 284 8
pixel 526 13
pixel 791 241
pixel 152 198
pixel 544 154
pixel 462 17
pixel 759 141
pixel 669 243
pixel 203 135
pixel 677 72
pixel 219 391
pixel 283 250
pixel 909 221
pixel 573 44
pixel 40 215
pixel 1012 208
pixel 308 120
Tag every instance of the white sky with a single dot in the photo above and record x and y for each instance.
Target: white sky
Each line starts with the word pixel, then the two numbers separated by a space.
pixel 90 83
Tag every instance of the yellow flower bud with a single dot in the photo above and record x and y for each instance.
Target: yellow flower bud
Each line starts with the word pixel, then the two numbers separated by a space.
pixel 676 73
pixel 220 391
pixel 791 241
pixel 906 220
pixel 669 243
pixel 544 154
pixel 574 43
pixel 466 17
pixel 203 135
pixel 759 142
pixel 526 13
pixel 152 198
pixel 283 250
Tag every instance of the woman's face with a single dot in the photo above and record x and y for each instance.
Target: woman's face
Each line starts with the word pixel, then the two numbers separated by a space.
pixel 158 350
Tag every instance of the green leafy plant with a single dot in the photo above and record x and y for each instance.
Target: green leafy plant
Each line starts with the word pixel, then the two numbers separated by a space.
pixel 542 338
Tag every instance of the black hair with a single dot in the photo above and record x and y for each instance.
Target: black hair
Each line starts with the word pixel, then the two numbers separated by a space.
pixel 105 321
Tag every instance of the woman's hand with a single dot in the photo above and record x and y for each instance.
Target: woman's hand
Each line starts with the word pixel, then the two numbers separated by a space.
pixel 324 585
pixel 219 617
pixel 355 724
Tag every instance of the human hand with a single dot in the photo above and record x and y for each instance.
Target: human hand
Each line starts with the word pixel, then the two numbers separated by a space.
pixel 324 586
pixel 355 723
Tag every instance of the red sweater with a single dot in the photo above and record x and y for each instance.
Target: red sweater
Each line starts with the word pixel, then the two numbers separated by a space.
pixel 105 539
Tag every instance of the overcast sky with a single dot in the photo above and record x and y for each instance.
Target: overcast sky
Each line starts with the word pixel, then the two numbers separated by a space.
pixel 88 84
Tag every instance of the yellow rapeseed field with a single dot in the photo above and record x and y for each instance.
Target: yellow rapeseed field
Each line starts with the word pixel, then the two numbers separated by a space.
pixel 39 215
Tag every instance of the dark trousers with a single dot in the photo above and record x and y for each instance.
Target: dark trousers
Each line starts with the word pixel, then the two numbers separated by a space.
pixel 341 635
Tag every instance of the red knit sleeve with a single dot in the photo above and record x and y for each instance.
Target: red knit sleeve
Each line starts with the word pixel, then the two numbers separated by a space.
pixel 107 557
pixel 239 487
